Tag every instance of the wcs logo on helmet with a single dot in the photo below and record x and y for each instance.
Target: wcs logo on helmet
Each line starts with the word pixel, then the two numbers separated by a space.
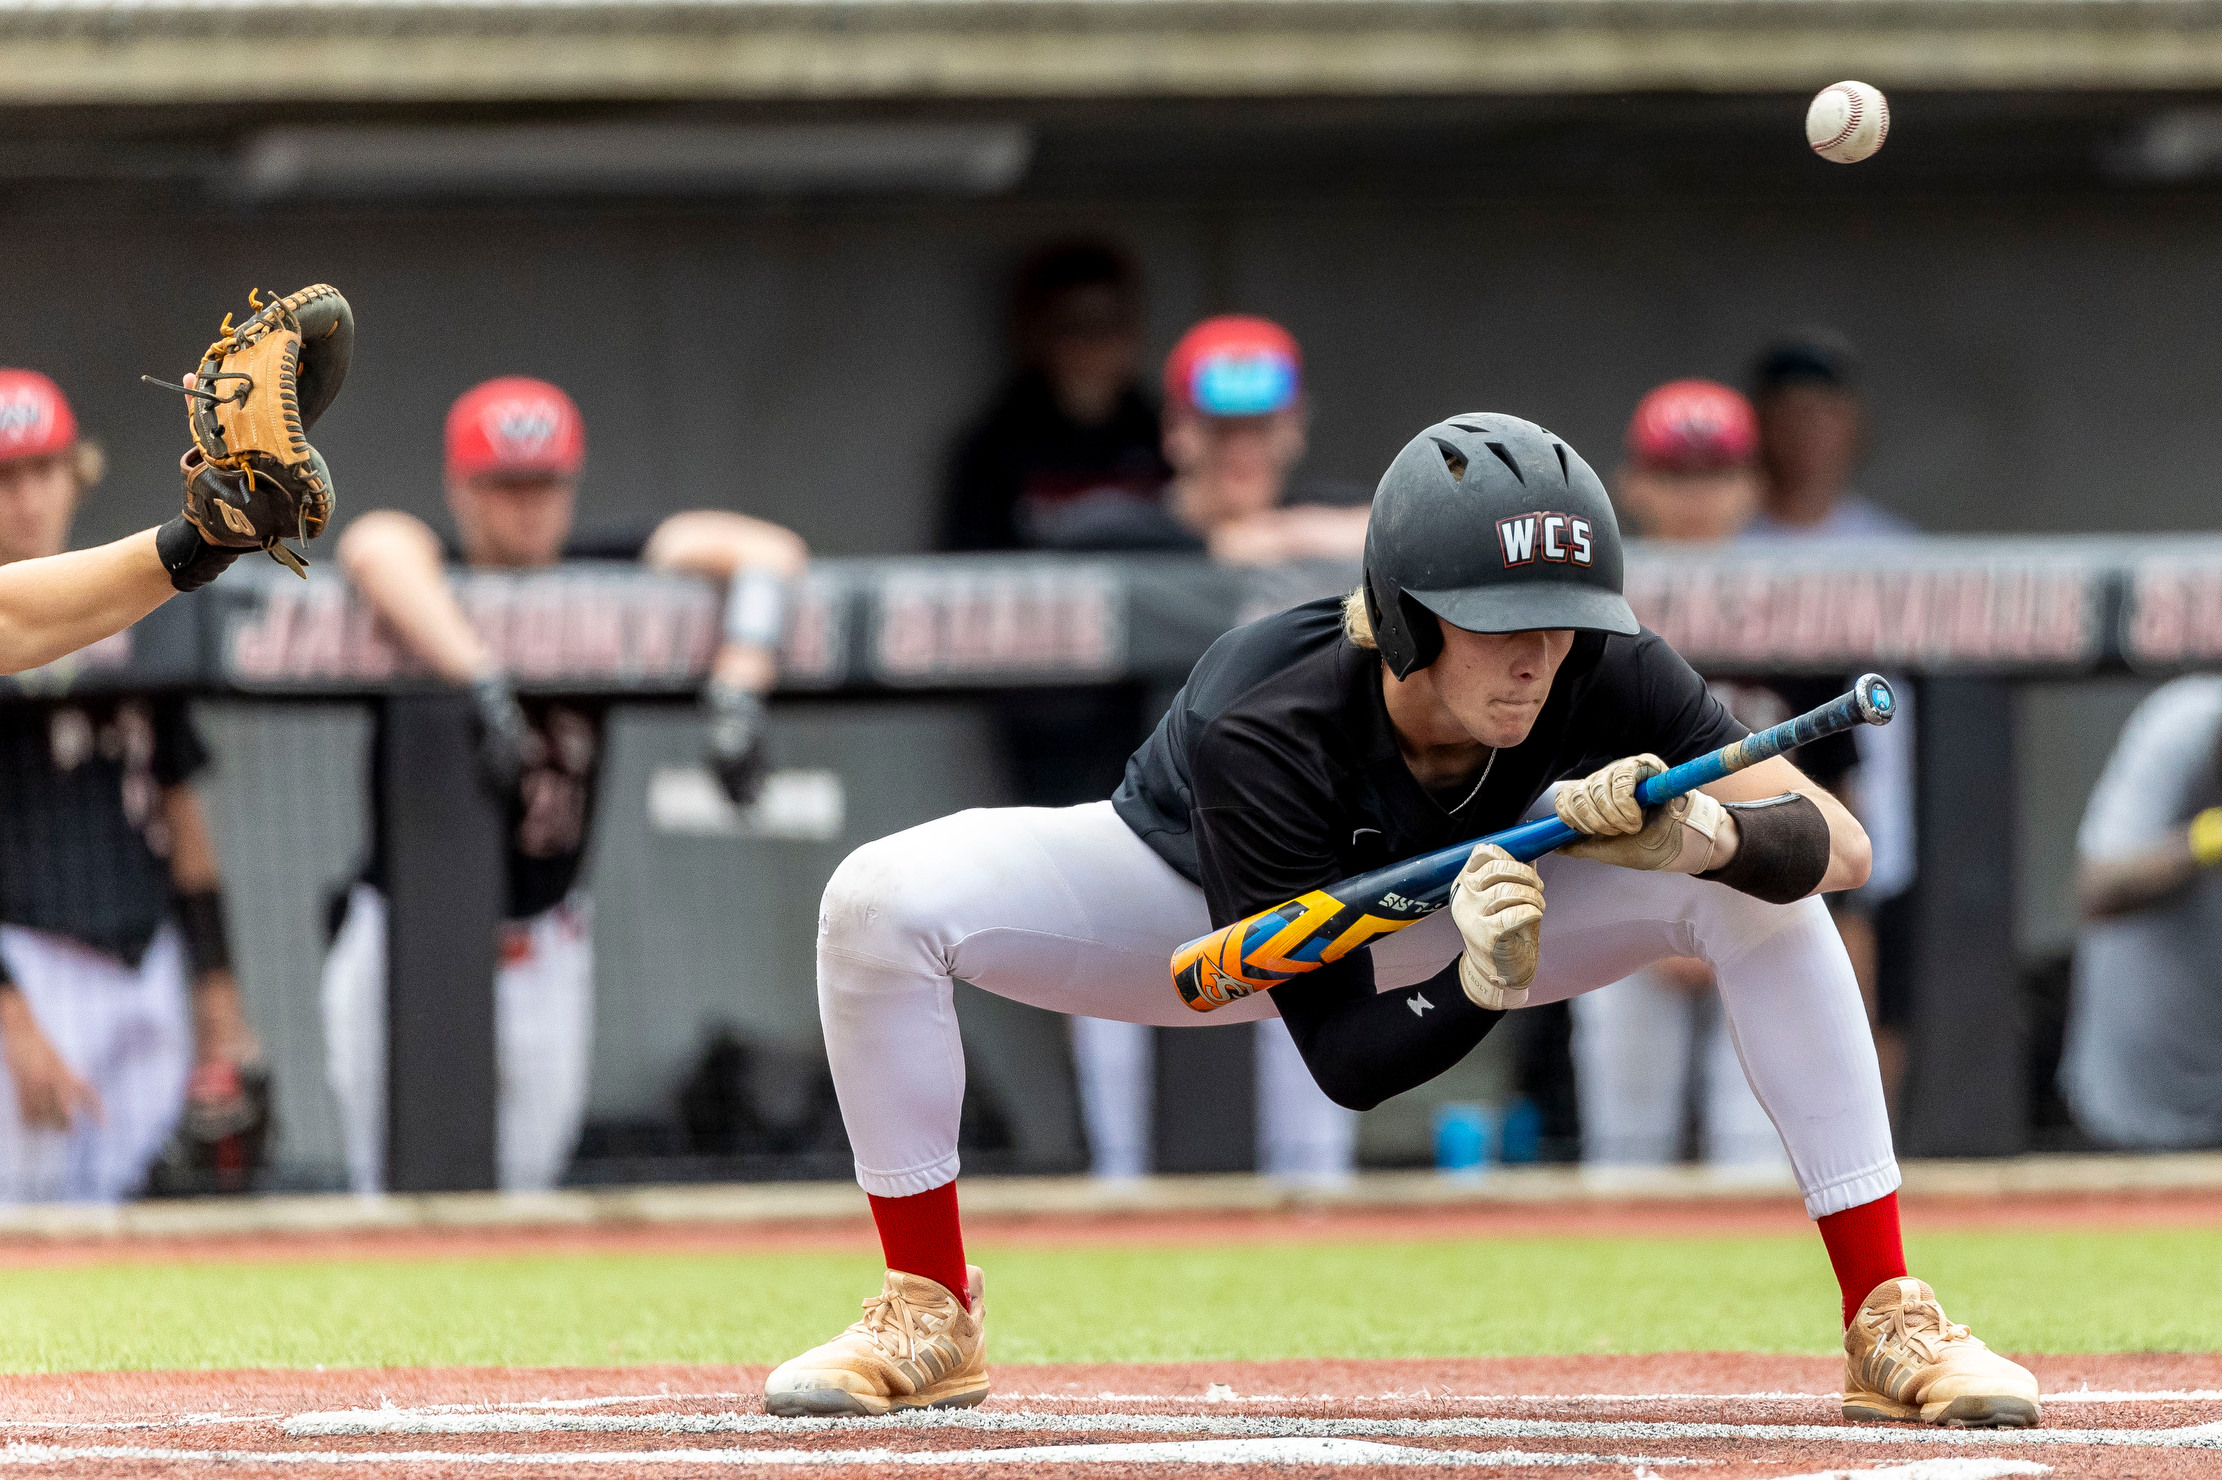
pixel 1560 538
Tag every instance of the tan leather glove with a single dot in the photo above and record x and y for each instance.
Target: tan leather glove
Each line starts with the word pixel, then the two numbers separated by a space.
pixel 1603 803
pixel 1498 906
pixel 1688 835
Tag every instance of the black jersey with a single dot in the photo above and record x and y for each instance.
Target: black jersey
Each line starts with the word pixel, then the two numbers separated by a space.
pixel 549 814
pixel 84 842
pixel 1277 771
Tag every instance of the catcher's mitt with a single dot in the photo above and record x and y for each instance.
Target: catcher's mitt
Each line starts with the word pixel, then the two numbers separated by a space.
pixel 252 479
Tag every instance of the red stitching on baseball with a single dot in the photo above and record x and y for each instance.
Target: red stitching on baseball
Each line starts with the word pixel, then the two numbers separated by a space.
pixel 1851 122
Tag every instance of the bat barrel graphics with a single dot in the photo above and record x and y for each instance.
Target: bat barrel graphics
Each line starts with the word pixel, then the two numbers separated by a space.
pixel 1325 925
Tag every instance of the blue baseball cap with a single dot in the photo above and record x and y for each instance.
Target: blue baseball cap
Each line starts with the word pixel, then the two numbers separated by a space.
pixel 1235 365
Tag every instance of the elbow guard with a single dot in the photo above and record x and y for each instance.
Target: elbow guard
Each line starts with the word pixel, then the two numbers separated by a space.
pixel 1782 851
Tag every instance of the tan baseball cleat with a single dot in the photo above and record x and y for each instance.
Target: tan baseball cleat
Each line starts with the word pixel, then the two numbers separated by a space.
pixel 917 1347
pixel 1905 1363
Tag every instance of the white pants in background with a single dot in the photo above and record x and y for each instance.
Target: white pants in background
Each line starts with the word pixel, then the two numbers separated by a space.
pixel 543 1036
pixel 1067 909
pixel 1638 1044
pixel 127 1032
pixel 1301 1133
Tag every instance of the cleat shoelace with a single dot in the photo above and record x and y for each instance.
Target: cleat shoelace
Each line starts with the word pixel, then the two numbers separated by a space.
pixel 1922 1327
pixel 889 1314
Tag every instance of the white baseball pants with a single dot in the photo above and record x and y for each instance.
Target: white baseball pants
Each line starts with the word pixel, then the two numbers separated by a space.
pixel 543 1038
pixel 1067 909
pixel 127 1032
pixel 1641 1045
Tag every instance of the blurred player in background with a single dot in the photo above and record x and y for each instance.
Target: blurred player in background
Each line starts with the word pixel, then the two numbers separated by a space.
pixel 1073 427
pixel 2143 1061
pixel 1691 477
pixel 515 451
pixel 118 987
pixel 1813 437
pixel 1235 423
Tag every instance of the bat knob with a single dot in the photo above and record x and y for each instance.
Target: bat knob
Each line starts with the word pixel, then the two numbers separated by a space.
pixel 1877 704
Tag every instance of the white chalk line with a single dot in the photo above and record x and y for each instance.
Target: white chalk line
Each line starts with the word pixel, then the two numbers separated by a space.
pixel 2079 1395
pixel 562 1405
pixel 1935 1469
pixel 399 1421
pixel 119 1425
pixel 1210 1452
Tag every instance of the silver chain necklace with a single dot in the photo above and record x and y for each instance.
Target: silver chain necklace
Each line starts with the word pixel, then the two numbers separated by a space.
pixel 1478 785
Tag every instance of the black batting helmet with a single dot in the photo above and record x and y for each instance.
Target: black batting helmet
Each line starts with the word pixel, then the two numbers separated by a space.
pixel 1494 525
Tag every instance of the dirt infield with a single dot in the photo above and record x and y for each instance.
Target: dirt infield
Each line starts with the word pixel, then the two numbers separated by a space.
pixel 1732 1415
pixel 1718 1414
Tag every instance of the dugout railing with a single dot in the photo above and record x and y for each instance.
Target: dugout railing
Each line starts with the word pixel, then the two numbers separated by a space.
pixel 1965 619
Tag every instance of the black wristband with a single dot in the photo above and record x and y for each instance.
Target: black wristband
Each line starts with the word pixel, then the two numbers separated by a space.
pixel 1782 850
pixel 191 561
pixel 200 919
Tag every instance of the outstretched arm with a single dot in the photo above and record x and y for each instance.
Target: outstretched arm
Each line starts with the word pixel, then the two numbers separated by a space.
pixel 744 553
pixel 58 603
pixel 2107 887
pixel 395 561
pixel 758 562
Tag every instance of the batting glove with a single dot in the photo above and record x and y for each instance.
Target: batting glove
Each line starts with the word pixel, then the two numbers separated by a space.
pixel 1688 835
pixel 1604 803
pixel 1498 906
pixel 506 744
pixel 733 746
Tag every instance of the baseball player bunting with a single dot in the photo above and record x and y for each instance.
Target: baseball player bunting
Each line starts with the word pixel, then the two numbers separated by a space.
pixel 1328 924
pixel 1479 680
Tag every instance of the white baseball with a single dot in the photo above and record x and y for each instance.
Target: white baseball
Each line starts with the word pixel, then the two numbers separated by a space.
pixel 1847 122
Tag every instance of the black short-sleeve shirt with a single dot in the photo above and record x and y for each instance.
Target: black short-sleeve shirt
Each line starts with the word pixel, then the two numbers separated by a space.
pixel 84 842
pixel 551 812
pixel 1277 771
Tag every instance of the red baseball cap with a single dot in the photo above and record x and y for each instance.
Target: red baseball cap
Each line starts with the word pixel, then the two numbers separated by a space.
pixel 514 425
pixel 1235 365
pixel 1692 426
pixel 35 419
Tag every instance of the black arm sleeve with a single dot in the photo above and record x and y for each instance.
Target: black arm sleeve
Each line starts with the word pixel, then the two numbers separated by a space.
pixel 1364 1047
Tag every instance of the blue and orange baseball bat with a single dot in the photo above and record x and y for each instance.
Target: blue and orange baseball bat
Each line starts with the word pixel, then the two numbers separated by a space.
pixel 1328 924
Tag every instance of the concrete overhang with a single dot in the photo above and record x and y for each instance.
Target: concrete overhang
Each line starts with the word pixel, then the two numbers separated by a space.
pixel 462 51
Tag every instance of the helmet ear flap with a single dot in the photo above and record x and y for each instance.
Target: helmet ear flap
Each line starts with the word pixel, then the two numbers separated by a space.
pixel 1406 635
pixel 1422 632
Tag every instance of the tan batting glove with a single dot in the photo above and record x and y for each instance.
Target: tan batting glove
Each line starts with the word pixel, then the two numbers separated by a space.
pixel 1498 906
pixel 1603 803
pixel 1689 835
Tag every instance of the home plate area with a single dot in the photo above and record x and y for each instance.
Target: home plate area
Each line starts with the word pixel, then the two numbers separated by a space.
pixel 2103 1417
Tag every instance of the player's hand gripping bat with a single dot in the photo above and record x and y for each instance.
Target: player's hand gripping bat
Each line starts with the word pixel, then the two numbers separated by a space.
pixel 1328 924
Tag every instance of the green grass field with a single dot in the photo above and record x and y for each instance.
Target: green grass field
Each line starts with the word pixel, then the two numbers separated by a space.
pixel 2050 1292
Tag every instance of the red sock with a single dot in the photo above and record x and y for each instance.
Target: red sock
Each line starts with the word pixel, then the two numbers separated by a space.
pixel 920 1235
pixel 1865 1249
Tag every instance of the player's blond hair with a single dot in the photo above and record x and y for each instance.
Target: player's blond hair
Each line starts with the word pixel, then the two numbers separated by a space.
pixel 1357 622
